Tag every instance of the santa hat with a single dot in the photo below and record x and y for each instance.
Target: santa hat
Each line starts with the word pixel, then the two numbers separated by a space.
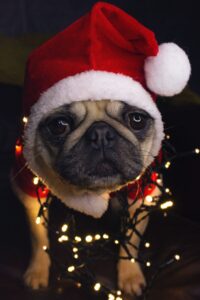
pixel 106 54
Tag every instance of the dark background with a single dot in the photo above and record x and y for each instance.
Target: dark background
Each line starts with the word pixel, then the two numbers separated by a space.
pixel 176 21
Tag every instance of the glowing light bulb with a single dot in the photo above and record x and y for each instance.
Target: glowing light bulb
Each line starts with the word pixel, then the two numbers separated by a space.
pixel 77 239
pixel 111 297
pixel 38 220
pixel 119 293
pixel 118 298
pixel 132 260
pixel 148 198
pixel 97 237
pixel 167 165
pixel 197 150
pixel 116 242
pixel 159 180
pixel 44 248
pixel 166 204
pixel 18 149
pixel 25 120
pixel 97 286
pixel 105 236
pixel 148 264
pixel 63 238
pixel 75 249
pixel 64 228
pixel 167 190
pixel 177 257
pixel 88 238
pixel 71 269
pixel 35 180
pixel 76 256
pixel 147 244
pixel 167 136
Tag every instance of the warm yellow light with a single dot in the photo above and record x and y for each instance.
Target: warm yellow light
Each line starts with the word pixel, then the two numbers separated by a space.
pixel 25 120
pixel 167 165
pixel 77 238
pixel 111 297
pixel 116 242
pixel 166 204
pixel 167 136
pixel 97 286
pixel 18 149
pixel 79 284
pixel 97 237
pixel 35 180
pixel 75 249
pixel 148 264
pixel 63 238
pixel 64 228
pixel 167 190
pixel 76 256
pixel 119 293
pixel 148 198
pixel 197 150
pixel 71 269
pixel 138 177
pixel 147 244
pixel 133 260
pixel 159 180
pixel 177 257
pixel 38 220
pixel 44 248
pixel 88 238
pixel 118 298
pixel 105 236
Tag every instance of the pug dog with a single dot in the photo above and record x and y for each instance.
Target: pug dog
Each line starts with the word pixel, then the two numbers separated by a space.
pixel 93 124
pixel 86 150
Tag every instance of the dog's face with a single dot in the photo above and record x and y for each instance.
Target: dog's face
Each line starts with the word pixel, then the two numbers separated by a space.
pixel 93 146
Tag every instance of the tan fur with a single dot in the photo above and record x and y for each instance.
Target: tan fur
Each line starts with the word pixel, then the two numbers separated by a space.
pixel 37 273
pixel 130 276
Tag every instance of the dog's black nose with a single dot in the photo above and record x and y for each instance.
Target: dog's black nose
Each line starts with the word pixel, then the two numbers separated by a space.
pixel 101 135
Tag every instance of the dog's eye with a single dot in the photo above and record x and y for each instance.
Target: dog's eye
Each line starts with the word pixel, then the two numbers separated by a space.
pixel 59 126
pixel 137 120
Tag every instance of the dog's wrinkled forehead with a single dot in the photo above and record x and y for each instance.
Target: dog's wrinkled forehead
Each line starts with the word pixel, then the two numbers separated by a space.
pixel 88 112
pixel 96 109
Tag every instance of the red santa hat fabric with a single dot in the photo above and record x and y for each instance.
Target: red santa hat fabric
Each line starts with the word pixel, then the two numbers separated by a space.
pixel 106 54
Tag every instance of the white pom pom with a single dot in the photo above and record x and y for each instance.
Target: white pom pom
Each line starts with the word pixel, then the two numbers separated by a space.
pixel 167 73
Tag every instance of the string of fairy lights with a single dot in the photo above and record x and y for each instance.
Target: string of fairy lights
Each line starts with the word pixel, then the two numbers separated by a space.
pixel 82 250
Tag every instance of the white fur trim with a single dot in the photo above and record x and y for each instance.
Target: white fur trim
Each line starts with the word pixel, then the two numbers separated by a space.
pixel 88 203
pixel 167 73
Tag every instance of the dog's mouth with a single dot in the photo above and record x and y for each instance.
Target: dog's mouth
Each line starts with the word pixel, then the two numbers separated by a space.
pixel 100 173
pixel 104 169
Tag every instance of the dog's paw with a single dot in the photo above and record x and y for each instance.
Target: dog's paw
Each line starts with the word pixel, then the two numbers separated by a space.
pixel 130 278
pixel 37 274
